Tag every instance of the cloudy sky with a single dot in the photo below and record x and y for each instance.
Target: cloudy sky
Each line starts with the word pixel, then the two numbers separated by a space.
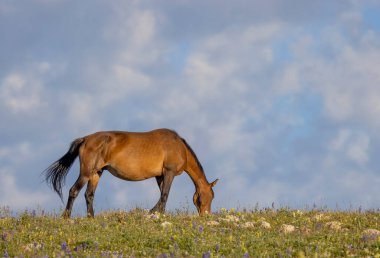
pixel 279 99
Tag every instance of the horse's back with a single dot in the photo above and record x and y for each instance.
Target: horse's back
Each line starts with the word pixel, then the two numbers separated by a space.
pixel 120 138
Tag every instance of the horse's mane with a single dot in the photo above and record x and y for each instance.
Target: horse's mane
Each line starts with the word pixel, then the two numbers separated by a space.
pixel 194 155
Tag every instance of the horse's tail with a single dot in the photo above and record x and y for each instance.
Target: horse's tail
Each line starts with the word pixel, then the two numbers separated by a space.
pixel 56 173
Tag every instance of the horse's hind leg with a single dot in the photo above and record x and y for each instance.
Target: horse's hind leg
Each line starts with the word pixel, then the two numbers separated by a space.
pixel 90 192
pixel 74 190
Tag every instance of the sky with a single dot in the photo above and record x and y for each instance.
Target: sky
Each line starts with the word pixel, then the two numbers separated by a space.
pixel 280 100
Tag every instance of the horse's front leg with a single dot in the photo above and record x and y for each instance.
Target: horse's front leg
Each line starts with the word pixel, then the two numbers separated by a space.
pixel 164 182
pixel 158 206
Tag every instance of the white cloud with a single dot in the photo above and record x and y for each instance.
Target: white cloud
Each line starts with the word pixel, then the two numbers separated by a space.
pixel 358 151
pixel 14 161
pixel 118 83
pixel 81 110
pixel 22 150
pixel 20 94
pixel 353 92
pixel 232 52
pixel 15 196
pixel 127 80
pixel 345 74
pixel 128 194
pixel 22 91
pixel 354 146
pixel 289 80
pixel 135 29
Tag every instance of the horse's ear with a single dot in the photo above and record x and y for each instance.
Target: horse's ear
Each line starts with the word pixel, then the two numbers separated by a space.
pixel 214 183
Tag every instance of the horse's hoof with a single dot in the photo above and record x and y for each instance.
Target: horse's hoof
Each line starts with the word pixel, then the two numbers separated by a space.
pixel 65 216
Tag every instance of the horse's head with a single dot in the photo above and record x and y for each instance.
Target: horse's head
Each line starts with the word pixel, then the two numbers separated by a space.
pixel 203 197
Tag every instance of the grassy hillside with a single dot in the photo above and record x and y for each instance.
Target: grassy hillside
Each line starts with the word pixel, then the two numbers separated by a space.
pixel 267 232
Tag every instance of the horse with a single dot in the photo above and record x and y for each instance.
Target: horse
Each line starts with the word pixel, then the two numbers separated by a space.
pixel 131 156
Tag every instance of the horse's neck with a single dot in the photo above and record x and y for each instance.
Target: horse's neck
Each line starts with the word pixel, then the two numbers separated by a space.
pixel 197 176
pixel 194 170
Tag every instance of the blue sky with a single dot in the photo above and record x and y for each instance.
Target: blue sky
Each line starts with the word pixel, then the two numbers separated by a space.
pixel 281 101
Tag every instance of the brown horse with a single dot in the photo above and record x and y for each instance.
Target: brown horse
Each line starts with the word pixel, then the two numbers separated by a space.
pixel 161 153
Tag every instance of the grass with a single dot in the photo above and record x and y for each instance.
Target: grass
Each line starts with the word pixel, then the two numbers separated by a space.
pixel 257 233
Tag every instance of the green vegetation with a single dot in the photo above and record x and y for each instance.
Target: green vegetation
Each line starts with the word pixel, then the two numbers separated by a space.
pixel 264 233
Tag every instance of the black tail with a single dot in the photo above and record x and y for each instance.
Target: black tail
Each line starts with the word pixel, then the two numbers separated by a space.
pixel 56 173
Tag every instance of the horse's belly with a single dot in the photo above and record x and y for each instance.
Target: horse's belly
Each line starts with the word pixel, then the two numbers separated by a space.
pixel 136 161
pixel 135 173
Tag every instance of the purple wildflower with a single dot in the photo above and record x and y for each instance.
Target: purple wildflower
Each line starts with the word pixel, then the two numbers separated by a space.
pixel 217 247
pixel 246 255
pixel 206 255
pixel 318 226
pixel 4 236
pixel 194 225
pixel 366 238
pixel 200 229
pixel 64 246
